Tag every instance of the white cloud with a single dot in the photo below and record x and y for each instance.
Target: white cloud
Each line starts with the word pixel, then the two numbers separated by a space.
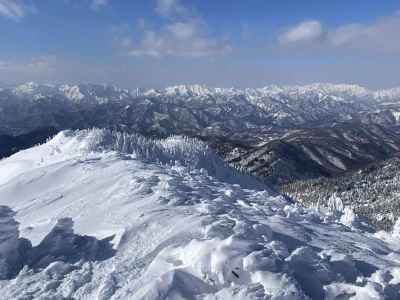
pixel 169 8
pixel 380 36
pixel 182 30
pixel 14 9
pixel 302 32
pixel 97 4
pixel 178 39
pixel 344 34
pixel 180 34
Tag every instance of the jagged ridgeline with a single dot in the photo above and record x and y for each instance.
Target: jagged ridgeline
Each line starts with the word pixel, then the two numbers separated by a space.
pixel 372 192
pixel 192 110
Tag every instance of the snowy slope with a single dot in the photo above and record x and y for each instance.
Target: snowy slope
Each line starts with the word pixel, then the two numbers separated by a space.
pixel 182 226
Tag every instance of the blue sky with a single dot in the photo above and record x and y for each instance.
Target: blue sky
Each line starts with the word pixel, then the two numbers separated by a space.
pixel 155 43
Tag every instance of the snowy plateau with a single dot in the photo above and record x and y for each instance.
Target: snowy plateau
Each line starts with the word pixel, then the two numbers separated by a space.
pixel 98 214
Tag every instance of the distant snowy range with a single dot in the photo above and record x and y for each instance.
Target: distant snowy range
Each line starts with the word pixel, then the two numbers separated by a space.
pixel 192 192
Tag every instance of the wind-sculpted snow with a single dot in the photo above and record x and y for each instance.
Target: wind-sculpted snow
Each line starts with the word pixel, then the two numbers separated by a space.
pixel 12 248
pixel 60 245
pixel 178 232
pixel 175 150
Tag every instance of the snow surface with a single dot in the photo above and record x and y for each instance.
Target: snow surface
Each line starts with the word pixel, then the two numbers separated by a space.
pixel 183 226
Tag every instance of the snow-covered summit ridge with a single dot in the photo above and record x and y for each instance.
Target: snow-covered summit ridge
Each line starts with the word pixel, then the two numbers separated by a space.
pixel 192 154
pixel 75 93
pixel 344 90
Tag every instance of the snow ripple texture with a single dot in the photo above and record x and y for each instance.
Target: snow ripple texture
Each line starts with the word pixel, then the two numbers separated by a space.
pixel 182 226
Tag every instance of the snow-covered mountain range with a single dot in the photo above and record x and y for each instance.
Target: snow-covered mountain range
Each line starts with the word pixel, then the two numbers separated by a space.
pixel 194 110
pixel 81 91
pixel 108 215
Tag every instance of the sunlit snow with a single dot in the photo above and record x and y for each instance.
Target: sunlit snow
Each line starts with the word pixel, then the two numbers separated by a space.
pixel 182 225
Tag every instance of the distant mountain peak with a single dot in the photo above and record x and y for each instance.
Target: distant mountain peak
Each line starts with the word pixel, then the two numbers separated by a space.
pixel 26 88
pixel 72 92
pixel 188 90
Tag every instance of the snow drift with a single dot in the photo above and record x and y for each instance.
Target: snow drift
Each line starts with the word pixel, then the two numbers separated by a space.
pixel 190 153
pixel 182 226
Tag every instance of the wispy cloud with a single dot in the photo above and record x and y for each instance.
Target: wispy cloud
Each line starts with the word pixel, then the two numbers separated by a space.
pixel 14 9
pixel 178 39
pixel 303 32
pixel 380 36
pixel 94 5
pixel 33 65
pixel 181 33
pixel 98 4
pixel 170 8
